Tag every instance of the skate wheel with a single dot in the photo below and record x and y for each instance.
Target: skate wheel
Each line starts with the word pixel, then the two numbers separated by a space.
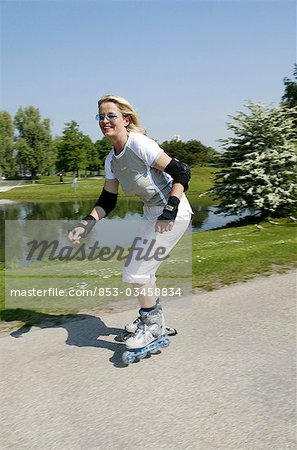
pixel 156 350
pixel 165 343
pixel 142 355
pixel 127 358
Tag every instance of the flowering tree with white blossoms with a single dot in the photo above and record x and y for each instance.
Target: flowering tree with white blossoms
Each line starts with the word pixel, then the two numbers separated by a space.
pixel 259 163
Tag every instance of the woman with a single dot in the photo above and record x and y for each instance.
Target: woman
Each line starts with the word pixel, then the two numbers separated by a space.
pixel 143 169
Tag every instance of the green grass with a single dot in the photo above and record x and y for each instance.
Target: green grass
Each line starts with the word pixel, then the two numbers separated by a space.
pixel 201 179
pixel 49 188
pixel 39 192
pixel 220 257
pixel 230 255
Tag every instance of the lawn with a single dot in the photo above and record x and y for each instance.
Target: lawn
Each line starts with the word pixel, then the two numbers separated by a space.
pixel 236 254
pixel 49 188
pixel 224 256
pixel 220 257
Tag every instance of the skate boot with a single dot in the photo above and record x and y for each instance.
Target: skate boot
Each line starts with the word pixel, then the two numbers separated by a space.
pixel 149 337
pixel 131 328
pixel 128 331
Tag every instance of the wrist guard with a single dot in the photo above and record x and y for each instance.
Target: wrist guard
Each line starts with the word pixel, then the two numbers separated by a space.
pixel 170 211
pixel 87 223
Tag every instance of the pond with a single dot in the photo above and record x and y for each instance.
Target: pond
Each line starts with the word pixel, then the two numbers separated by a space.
pixel 204 213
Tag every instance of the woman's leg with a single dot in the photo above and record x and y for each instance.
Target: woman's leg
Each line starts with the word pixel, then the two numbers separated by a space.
pixel 147 294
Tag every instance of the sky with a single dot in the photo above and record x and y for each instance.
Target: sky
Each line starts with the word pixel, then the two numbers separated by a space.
pixel 186 66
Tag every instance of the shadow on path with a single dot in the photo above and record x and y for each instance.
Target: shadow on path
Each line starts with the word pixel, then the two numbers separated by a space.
pixel 83 330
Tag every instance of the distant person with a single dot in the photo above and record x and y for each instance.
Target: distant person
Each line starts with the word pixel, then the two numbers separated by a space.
pixel 61 175
pixel 145 170
pixel 74 183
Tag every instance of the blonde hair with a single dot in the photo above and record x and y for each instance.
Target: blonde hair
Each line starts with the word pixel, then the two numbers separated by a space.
pixel 126 109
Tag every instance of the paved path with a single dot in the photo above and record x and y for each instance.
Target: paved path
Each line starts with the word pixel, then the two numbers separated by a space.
pixel 8 188
pixel 226 382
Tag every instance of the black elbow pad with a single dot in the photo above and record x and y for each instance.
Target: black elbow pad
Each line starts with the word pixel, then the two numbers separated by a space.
pixel 180 172
pixel 107 201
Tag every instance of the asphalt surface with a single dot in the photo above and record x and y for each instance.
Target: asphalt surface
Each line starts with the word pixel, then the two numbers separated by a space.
pixel 8 188
pixel 227 381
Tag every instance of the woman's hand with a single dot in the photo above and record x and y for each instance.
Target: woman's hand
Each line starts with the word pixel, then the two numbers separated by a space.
pixel 163 225
pixel 75 235
pixel 82 229
pixel 166 220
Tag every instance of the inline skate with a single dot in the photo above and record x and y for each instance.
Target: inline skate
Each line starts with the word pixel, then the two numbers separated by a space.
pixel 131 328
pixel 149 336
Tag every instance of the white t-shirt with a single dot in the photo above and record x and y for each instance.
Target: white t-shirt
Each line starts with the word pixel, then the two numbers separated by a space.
pixel 133 169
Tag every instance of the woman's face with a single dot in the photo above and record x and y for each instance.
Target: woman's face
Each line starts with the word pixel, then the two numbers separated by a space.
pixel 113 124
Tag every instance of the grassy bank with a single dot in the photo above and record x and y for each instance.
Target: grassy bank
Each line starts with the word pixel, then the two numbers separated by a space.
pixel 236 254
pixel 48 189
pixel 220 257
pixel 41 192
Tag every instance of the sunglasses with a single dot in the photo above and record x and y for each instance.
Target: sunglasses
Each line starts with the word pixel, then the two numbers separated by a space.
pixel 109 116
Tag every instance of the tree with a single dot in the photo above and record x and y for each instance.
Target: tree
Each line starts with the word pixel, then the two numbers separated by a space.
pixel 192 152
pixel 175 149
pixel 260 164
pixel 198 154
pixel 91 154
pixel 72 151
pixel 103 147
pixel 34 144
pixel 7 160
pixel 289 99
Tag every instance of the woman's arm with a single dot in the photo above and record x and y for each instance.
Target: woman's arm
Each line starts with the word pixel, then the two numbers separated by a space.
pixel 180 173
pixel 110 186
pixel 105 203
pixel 161 164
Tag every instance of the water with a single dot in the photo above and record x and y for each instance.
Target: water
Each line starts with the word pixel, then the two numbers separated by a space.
pixel 204 219
pixel 204 215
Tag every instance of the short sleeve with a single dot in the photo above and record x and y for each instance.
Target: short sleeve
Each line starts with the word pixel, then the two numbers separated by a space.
pixel 147 149
pixel 107 167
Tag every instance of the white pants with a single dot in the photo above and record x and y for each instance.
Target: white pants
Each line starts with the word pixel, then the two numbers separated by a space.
pixel 151 248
